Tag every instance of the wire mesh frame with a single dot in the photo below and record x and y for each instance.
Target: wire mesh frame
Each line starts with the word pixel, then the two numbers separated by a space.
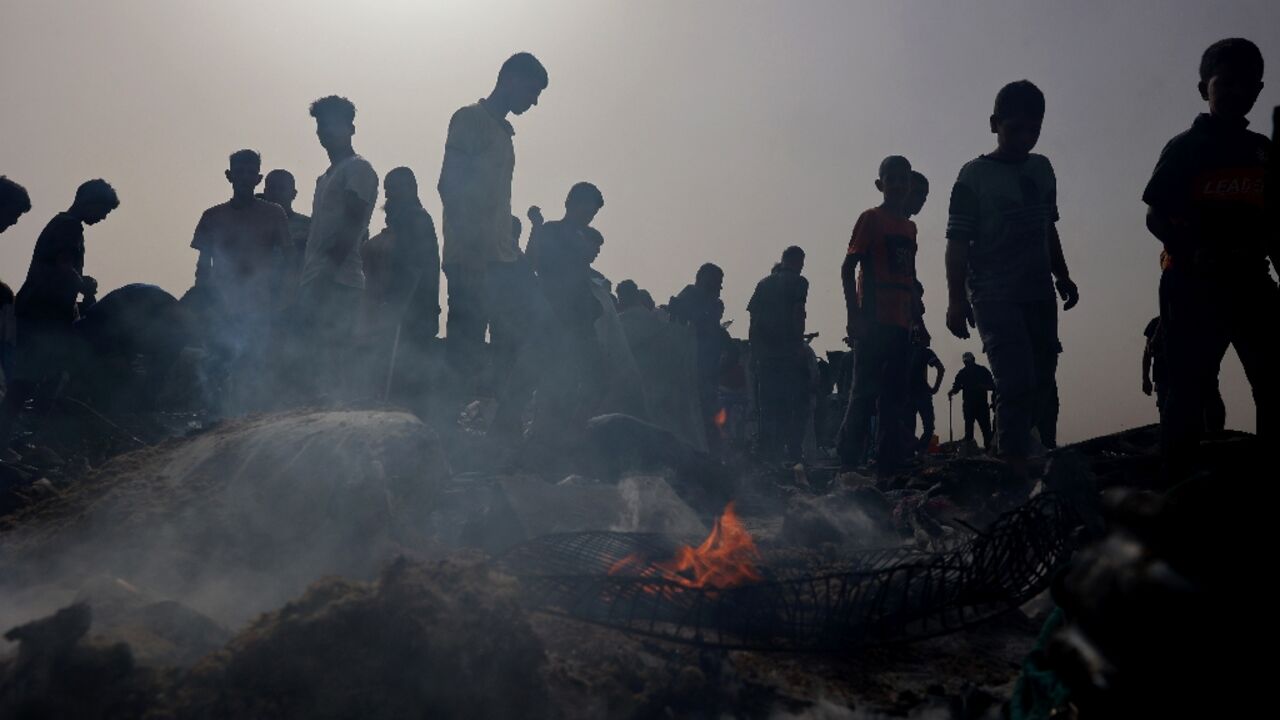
pixel 878 597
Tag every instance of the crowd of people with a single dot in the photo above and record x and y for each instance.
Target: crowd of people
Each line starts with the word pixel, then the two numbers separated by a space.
pixel 274 286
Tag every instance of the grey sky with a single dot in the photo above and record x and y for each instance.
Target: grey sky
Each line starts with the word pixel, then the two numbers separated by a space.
pixel 718 131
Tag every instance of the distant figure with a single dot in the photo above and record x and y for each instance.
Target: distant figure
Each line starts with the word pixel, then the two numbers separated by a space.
pixel 922 391
pixel 879 276
pixel 243 245
pixel 562 252
pixel 488 281
pixel 1206 204
pixel 46 305
pixel 14 203
pixel 699 306
pixel 1003 249
pixel 1155 378
pixel 281 188
pixel 780 357
pixel 332 279
pixel 402 294
pixel 974 381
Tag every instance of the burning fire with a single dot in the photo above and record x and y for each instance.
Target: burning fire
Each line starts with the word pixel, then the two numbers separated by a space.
pixel 721 418
pixel 726 559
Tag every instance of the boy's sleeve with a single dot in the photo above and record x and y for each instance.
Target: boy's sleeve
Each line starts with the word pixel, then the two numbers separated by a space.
pixel 202 238
pixel 963 210
pixel 1051 196
pixel 1164 189
pixel 363 181
pixel 864 234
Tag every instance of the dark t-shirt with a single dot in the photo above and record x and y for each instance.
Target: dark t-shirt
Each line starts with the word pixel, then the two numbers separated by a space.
pixel 698 308
pixel 1212 178
pixel 974 382
pixel 777 314
pixel 53 278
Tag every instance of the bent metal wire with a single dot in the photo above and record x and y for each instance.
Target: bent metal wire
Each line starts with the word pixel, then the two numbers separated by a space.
pixel 877 597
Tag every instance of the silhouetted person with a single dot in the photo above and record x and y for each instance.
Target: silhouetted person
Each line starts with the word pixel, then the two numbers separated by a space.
pixel 780 357
pixel 480 259
pixel 243 245
pixel 562 252
pixel 972 383
pixel 46 305
pixel 921 391
pixel 1003 257
pixel 14 202
pixel 879 276
pixel 281 189
pixel 402 291
pixel 1155 379
pixel 332 280
pixel 1207 206
pixel 699 306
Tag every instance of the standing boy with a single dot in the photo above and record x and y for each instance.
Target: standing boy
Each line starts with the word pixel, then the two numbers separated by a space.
pixel 1003 257
pixel 881 306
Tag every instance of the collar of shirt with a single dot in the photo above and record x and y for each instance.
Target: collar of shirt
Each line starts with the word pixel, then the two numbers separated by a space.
pixel 1213 123
pixel 506 125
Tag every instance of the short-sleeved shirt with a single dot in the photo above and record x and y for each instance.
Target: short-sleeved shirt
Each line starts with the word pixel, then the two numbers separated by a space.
pixel 53 278
pixel 1005 211
pixel 1212 176
pixel 328 212
pixel 887 273
pixel 475 188
pixel 775 307
pixel 246 243
pixel 974 382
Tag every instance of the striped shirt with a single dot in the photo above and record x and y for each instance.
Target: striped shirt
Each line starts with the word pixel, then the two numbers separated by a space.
pixel 1004 212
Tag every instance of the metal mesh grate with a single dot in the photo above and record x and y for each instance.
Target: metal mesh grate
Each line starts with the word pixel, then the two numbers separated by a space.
pixel 872 598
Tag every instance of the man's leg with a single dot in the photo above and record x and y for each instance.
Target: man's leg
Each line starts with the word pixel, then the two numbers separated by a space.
pixel 1215 411
pixel 796 409
pixel 1009 349
pixel 970 418
pixel 924 406
pixel 894 399
pixel 868 369
pixel 1042 329
pixel 523 338
pixel 1254 337
pixel 772 401
pixel 984 425
pixel 1195 341
pixel 466 322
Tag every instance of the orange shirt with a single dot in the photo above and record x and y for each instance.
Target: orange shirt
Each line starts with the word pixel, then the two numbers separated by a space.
pixel 887 273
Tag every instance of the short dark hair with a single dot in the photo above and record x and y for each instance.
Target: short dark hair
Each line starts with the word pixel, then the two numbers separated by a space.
pixel 585 192
pixel 250 157
pixel 1238 53
pixel 97 190
pixel 891 161
pixel 795 252
pixel 335 107
pixel 278 175
pixel 524 65
pixel 13 197
pixel 918 178
pixel 1019 98
pixel 708 270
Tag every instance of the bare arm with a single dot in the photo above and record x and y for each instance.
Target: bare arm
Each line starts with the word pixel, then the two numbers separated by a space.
pixel 354 211
pixel 1066 286
pixel 849 278
pixel 959 312
pixel 937 381
pixel 1146 369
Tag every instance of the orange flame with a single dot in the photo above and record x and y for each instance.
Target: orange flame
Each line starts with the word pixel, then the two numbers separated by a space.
pixel 726 559
pixel 722 418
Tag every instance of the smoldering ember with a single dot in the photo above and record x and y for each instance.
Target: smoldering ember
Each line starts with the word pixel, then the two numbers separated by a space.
pixel 406 447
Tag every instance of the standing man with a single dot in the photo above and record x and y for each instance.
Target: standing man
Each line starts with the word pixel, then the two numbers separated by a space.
pixel 780 356
pixel 46 305
pixel 14 203
pixel 922 391
pixel 489 282
pixel 975 382
pixel 332 279
pixel 700 307
pixel 244 245
pixel 281 188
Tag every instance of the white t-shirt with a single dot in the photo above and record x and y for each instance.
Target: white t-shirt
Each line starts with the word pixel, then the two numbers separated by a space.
pixel 327 212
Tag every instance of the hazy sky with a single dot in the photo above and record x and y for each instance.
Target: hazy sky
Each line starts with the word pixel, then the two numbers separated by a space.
pixel 718 131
